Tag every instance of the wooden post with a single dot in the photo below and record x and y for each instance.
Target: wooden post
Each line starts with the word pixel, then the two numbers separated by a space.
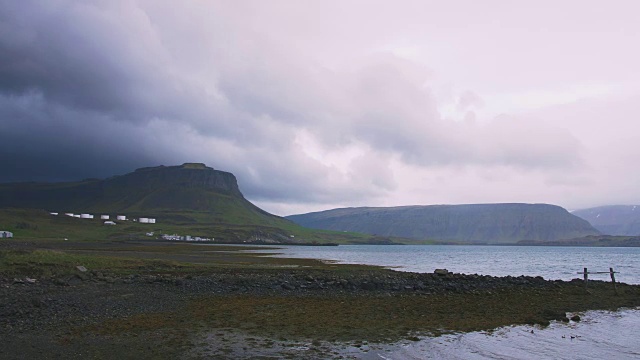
pixel 586 278
pixel 613 280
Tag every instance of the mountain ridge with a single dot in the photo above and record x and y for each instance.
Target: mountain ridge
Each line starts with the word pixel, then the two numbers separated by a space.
pixel 186 194
pixel 191 198
pixel 149 188
pixel 474 223
pixel 620 220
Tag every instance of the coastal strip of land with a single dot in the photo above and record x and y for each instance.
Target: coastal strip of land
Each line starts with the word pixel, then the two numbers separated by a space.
pixel 148 299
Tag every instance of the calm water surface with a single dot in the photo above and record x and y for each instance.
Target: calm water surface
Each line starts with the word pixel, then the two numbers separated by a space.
pixel 600 335
pixel 549 262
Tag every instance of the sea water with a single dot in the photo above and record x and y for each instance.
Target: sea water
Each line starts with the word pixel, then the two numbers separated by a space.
pixel 550 262
pixel 600 334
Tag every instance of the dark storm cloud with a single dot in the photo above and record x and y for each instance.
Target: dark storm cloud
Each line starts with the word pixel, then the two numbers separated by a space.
pixel 79 82
pixel 93 89
pixel 83 85
pixel 100 57
pixel 46 49
pixel 41 141
pixel 61 98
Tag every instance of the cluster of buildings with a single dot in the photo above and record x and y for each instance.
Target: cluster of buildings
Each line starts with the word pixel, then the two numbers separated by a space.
pixel 143 220
pixel 175 237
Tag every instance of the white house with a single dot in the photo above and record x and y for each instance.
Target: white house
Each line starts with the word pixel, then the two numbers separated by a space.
pixel 152 221
pixel 6 234
pixel 86 216
pixel 121 217
pixel 104 217
pixel 54 213
pixel 143 220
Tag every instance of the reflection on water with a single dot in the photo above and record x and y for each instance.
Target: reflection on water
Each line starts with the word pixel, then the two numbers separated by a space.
pixel 600 335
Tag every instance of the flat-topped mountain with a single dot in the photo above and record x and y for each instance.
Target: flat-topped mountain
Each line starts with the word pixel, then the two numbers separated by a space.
pixel 185 187
pixel 475 223
pixel 189 199
pixel 623 220
pixel 184 195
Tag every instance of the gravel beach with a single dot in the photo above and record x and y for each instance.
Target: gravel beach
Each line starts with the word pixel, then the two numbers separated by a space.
pixel 98 314
pixel 268 310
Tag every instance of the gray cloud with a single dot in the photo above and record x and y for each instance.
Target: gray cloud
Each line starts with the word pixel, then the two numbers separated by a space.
pixel 41 141
pixel 93 89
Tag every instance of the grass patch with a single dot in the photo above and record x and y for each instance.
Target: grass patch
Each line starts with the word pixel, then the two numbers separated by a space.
pixel 43 258
pixel 383 318
pixel 230 222
pixel 371 319
pixel 42 263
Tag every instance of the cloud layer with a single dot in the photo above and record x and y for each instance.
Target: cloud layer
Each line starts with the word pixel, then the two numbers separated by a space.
pixel 321 105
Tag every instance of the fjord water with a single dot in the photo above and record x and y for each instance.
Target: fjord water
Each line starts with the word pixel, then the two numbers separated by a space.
pixel 550 262
pixel 600 334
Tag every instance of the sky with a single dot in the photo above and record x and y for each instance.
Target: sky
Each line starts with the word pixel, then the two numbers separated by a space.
pixel 314 105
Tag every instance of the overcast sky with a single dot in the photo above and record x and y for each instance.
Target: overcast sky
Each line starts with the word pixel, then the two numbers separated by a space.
pixel 322 104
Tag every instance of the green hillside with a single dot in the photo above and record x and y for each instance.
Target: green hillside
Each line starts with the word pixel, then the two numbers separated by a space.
pixel 185 187
pixel 476 223
pixel 191 199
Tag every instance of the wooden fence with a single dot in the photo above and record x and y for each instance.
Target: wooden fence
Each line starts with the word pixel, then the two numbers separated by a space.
pixel 586 273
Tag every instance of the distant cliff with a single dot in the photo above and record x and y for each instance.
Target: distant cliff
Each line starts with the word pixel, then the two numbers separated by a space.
pixel 475 223
pixel 189 199
pixel 623 220
pixel 193 187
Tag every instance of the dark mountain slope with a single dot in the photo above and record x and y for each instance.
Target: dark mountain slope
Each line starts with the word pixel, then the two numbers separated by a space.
pixel 162 189
pixel 188 199
pixel 478 223
pixel 623 220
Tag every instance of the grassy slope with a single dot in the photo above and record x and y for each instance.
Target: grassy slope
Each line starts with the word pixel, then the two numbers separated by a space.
pixel 246 226
pixel 185 200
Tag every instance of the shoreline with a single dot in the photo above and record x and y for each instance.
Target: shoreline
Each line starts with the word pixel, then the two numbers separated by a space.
pixel 153 310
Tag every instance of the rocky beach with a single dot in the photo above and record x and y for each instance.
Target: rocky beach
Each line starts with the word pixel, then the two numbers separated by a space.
pixel 248 305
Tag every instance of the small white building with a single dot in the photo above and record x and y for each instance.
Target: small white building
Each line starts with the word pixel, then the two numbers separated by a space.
pixel 69 214
pixel 104 217
pixel 143 220
pixel 121 217
pixel 86 216
pixel 76 216
pixel 54 213
pixel 109 223
pixel 152 221
pixel 6 234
